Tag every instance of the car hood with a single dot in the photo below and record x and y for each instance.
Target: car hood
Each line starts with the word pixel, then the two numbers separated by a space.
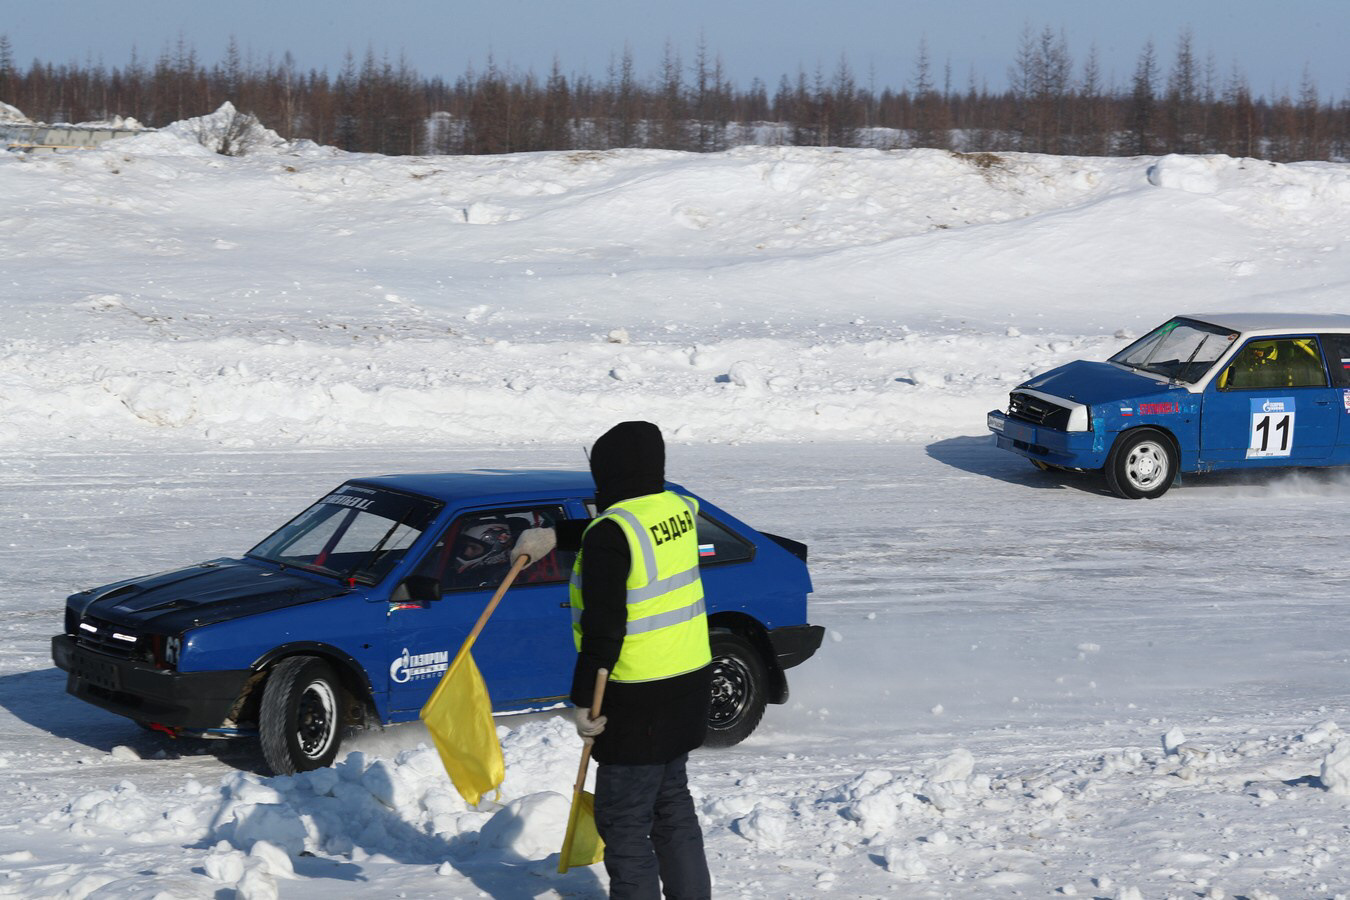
pixel 198 595
pixel 1087 382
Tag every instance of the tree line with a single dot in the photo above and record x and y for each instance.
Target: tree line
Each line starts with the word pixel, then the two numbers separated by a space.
pixel 1052 103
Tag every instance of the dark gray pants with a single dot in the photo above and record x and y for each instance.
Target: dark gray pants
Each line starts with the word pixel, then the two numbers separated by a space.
pixel 652 837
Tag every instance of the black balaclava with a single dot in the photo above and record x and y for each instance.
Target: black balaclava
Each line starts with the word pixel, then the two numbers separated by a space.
pixel 628 461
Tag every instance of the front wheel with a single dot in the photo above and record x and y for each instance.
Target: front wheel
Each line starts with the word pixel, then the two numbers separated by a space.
pixel 300 717
pixel 1142 465
pixel 738 690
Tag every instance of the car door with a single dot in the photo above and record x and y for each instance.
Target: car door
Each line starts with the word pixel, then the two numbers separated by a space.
pixel 525 650
pixel 1337 350
pixel 1271 405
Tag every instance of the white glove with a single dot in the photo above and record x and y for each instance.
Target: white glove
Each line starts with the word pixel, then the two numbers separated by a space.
pixel 534 544
pixel 586 726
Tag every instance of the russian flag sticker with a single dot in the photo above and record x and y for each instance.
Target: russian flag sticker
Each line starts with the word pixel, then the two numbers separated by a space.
pixel 707 550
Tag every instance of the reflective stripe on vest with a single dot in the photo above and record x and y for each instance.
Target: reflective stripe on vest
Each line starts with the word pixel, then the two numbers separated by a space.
pixel 667 627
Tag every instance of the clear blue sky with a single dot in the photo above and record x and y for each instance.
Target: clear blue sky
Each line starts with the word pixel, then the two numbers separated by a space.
pixel 1271 42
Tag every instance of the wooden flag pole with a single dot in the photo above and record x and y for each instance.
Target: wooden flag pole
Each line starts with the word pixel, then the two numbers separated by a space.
pixel 521 562
pixel 601 676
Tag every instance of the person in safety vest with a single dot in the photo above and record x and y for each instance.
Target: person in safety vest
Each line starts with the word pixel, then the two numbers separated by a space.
pixel 637 610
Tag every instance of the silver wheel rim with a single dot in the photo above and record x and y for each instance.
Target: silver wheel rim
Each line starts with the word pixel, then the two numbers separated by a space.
pixel 316 719
pixel 1146 465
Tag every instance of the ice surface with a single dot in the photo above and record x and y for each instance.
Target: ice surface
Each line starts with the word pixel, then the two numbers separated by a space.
pixel 198 346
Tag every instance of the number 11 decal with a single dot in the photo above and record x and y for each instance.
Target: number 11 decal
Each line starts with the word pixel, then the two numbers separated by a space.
pixel 1272 427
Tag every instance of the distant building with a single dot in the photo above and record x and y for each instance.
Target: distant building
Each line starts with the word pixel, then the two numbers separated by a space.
pixel 37 138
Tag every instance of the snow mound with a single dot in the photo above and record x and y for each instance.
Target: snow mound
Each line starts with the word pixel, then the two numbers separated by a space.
pixel 528 827
pixel 1195 175
pixel 1335 772
pixel 12 114
pixel 226 131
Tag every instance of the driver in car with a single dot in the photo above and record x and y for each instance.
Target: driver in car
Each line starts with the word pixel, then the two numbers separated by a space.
pixel 482 554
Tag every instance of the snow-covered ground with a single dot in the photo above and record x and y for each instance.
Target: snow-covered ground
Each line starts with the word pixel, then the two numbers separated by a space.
pixel 1029 687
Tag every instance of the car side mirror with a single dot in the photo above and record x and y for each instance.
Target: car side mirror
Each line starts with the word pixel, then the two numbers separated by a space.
pixel 417 589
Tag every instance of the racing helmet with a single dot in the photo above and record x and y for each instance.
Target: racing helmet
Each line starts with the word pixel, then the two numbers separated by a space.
pixel 485 543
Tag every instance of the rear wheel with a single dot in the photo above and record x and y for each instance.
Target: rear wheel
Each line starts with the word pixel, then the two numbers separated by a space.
pixel 738 690
pixel 1142 465
pixel 300 717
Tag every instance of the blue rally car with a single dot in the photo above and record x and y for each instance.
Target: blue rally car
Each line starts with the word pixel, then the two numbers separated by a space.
pixel 1198 393
pixel 351 612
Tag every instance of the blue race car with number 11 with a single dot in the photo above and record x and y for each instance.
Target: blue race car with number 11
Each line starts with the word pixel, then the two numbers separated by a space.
pixel 1197 394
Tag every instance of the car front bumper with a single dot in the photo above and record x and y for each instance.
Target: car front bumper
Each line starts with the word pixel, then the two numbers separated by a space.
pixel 189 700
pixel 1068 449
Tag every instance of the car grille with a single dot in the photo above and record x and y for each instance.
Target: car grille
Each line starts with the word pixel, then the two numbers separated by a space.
pixel 102 639
pixel 1038 411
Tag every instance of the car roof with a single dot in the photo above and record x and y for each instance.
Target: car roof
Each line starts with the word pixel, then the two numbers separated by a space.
pixel 489 484
pixel 1257 321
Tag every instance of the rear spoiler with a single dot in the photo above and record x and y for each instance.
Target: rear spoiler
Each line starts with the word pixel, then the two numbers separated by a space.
pixel 796 548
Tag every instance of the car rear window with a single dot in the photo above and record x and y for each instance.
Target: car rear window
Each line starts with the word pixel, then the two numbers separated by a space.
pixel 1337 347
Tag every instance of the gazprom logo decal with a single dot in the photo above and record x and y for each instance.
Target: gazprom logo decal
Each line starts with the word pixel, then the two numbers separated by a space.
pixel 1273 405
pixel 410 667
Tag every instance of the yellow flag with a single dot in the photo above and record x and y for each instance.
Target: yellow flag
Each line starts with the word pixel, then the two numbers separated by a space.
pixel 459 717
pixel 587 849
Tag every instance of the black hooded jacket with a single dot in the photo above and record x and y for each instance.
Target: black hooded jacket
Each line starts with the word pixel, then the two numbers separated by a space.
pixel 650 722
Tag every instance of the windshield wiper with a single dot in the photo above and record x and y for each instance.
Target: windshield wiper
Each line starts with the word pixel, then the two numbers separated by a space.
pixel 1190 359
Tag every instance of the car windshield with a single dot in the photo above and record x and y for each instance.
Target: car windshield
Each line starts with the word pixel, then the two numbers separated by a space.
pixel 356 532
pixel 1181 350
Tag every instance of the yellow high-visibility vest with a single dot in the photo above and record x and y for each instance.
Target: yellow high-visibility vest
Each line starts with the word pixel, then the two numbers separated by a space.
pixel 667 623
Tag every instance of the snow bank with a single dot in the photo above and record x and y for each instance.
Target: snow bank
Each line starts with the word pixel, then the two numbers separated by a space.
pixel 305 296
pixel 924 826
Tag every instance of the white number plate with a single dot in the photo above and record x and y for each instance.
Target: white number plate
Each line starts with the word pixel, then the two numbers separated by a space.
pixel 1272 431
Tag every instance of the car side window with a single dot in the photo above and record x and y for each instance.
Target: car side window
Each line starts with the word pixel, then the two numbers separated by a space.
pixel 1271 363
pixel 475 551
pixel 719 544
pixel 716 542
pixel 1337 347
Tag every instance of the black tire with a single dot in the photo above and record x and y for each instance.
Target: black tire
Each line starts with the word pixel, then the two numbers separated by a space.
pixel 300 717
pixel 738 690
pixel 1142 465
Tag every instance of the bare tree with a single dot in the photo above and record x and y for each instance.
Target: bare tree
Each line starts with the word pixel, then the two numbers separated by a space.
pixel 1041 81
pixel 386 107
pixel 1237 123
pixel 626 105
pixel 1183 98
pixel 557 131
pixel 1093 130
pixel 1312 124
pixel 931 125
pixel 7 72
pixel 1143 102
pixel 847 106
pixel 670 107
